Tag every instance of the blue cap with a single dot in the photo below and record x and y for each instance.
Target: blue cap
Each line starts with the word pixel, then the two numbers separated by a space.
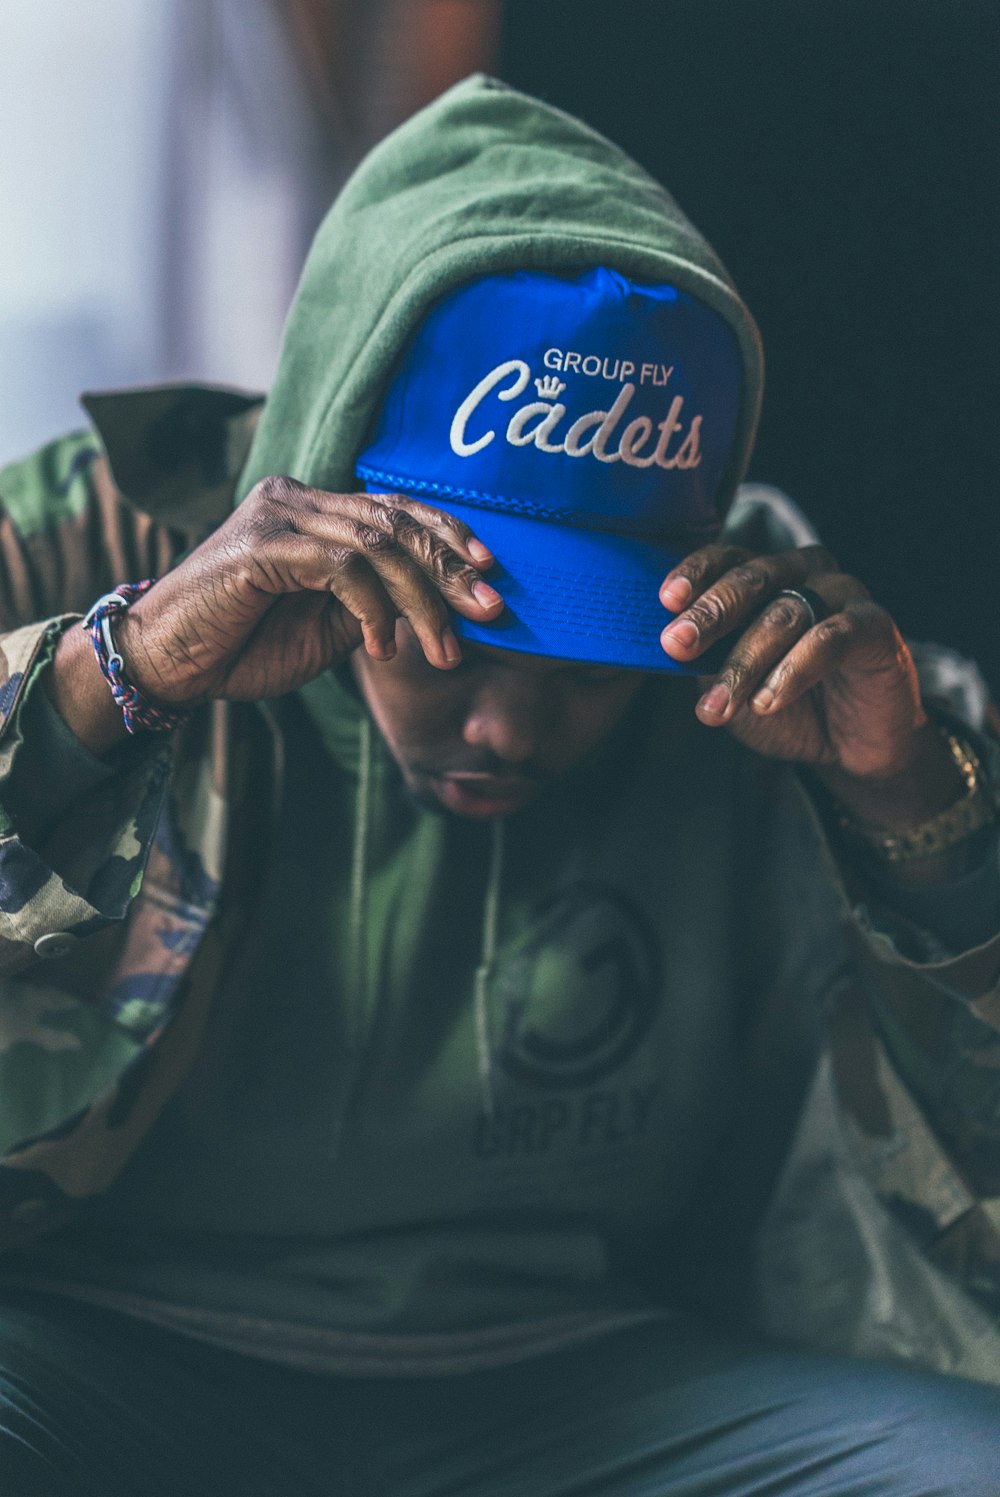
pixel 582 426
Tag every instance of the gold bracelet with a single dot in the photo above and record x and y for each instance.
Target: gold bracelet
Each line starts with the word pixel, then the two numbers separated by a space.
pixel 970 813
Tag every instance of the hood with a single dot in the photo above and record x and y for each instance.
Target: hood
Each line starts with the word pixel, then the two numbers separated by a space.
pixel 482 181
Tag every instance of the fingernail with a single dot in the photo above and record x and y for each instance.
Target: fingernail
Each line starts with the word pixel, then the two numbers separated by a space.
pixel 677 595
pixel 389 650
pixel 716 701
pixel 486 596
pixel 450 646
pixel 479 551
pixel 684 634
pixel 763 699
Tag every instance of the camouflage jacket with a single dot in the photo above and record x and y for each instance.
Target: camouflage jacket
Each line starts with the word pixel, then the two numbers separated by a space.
pixel 117 919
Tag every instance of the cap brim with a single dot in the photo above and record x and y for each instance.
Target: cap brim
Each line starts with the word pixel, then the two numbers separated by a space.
pixel 574 594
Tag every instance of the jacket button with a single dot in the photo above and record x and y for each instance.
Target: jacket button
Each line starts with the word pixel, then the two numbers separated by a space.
pixel 57 943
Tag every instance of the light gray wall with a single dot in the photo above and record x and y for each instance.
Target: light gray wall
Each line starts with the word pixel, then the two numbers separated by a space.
pixel 158 186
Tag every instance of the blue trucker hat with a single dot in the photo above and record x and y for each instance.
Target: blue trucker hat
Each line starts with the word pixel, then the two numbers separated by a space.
pixel 582 426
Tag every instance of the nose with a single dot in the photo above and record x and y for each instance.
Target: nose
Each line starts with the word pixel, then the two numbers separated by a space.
pixel 512 717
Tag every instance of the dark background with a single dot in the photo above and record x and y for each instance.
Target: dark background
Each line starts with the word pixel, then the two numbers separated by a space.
pixel 842 159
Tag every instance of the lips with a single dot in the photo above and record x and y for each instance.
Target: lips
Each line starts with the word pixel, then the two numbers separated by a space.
pixel 483 795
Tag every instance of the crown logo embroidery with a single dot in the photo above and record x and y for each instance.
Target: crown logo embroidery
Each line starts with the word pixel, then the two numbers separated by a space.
pixel 549 388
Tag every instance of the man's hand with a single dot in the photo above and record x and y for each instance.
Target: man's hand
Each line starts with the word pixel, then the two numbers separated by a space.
pixel 841 695
pixel 290 584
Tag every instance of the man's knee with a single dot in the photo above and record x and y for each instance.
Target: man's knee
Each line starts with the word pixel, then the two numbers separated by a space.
pixel 896 1430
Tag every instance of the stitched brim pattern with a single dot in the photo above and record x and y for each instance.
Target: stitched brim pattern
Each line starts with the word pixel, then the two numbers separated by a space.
pixel 575 594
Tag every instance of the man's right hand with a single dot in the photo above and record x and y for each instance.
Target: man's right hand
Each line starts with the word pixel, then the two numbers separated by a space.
pixel 292 582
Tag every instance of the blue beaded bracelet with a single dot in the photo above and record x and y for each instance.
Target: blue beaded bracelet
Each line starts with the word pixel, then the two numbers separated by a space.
pixel 140 715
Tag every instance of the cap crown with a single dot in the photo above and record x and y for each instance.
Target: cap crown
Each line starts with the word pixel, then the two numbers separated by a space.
pixel 585 399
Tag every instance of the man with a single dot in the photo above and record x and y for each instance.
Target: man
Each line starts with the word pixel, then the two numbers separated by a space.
pixel 430 974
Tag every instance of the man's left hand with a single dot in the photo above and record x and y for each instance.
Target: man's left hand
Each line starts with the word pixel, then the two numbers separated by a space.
pixel 839 694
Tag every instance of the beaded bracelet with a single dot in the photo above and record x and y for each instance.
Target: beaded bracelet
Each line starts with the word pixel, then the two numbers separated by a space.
pixel 140 715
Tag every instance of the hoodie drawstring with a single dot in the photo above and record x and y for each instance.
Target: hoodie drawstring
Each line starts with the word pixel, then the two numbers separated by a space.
pixel 357 997
pixel 358 908
pixel 491 907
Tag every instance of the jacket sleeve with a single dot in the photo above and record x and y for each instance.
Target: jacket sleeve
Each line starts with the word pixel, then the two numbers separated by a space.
pixel 66 536
pixel 916 1055
pixel 881 1236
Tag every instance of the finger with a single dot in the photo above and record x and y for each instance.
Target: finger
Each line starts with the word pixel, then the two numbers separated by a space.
pixel 691 576
pixel 316 567
pixel 397 545
pixel 416 597
pixel 461 584
pixel 778 628
pixel 738 594
pixel 453 531
pixel 374 596
pixel 297 501
pixel 861 625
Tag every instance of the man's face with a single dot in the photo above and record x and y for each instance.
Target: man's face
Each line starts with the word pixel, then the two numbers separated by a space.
pixel 483 739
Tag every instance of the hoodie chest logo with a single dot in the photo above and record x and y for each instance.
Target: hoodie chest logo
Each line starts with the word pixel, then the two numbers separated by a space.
pixel 666 439
pixel 576 998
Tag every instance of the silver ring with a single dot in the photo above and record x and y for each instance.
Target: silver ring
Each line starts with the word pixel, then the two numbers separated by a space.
pixel 818 609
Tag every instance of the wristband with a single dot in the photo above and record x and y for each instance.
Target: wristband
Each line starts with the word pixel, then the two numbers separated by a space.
pixel 140 714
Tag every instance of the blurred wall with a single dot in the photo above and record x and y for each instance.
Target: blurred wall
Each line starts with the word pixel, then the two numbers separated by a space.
pixel 165 165
pixel 81 104
pixel 158 184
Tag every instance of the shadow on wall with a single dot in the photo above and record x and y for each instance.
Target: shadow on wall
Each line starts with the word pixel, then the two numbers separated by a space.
pixel 841 158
